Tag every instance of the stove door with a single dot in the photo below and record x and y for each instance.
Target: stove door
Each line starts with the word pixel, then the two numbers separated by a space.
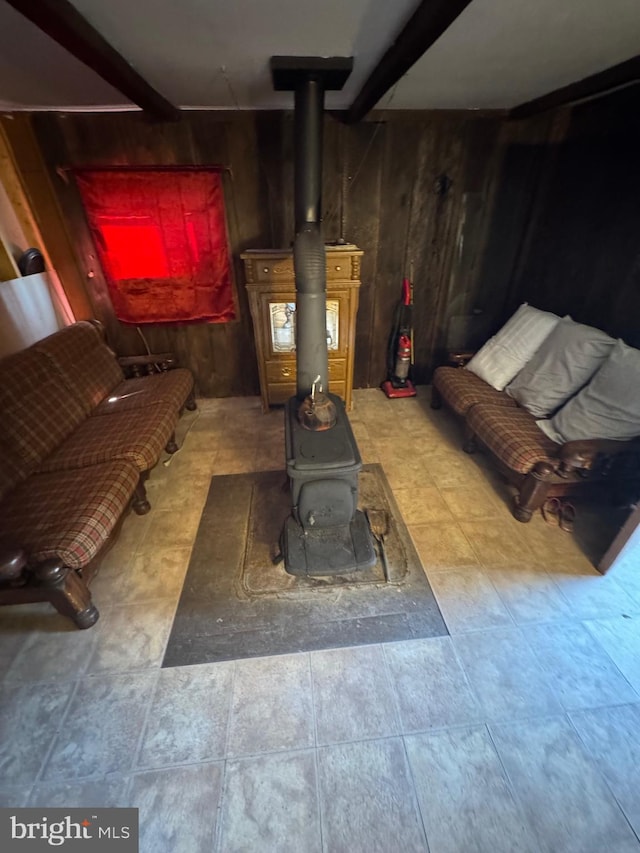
pixel 326 503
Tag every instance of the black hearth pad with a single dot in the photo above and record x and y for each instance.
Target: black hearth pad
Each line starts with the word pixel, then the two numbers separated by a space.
pixel 236 603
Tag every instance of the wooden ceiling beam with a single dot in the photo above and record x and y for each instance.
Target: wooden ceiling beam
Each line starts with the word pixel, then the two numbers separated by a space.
pixel 426 25
pixel 62 22
pixel 593 86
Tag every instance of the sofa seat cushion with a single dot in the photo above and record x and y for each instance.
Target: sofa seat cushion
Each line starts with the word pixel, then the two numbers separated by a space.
pixel 82 357
pixel 68 514
pixel 172 387
pixel 462 389
pixel 38 409
pixel 137 436
pixel 512 436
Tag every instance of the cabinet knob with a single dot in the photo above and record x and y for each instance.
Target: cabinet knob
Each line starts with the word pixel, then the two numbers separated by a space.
pixel 265 269
pixel 286 371
pixel 338 267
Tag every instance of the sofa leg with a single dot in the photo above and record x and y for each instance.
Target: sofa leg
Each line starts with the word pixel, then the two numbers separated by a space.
pixel 519 513
pixel 436 399
pixel 191 404
pixel 469 444
pixel 140 503
pixel 171 446
pixel 67 591
pixel 533 492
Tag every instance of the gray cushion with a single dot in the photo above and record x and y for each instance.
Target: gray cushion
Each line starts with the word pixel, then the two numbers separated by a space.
pixel 566 360
pixel 608 407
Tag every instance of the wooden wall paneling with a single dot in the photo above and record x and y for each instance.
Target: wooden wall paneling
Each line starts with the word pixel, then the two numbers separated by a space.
pixel 519 174
pixel 275 144
pixel 556 263
pixel 217 354
pixel 363 158
pixel 8 267
pixel 201 360
pixel 616 115
pixel 579 253
pixel 274 141
pixel 624 307
pixel 332 178
pixel 49 233
pixel 268 132
pixel 248 209
pixel 398 176
pixel 63 146
pixel 448 194
pixel 548 137
pixel 219 350
pixel 421 251
pixel 126 139
pixel 522 161
pixel 393 208
pixel 286 170
pixel 620 248
pixel 585 246
pixel 248 203
pixel 478 180
pixel 483 159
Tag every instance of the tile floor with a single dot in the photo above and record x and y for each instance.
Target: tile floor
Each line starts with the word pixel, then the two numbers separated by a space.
pixel 518 732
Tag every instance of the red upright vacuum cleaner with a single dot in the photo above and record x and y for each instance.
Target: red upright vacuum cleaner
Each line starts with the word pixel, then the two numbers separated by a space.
pixel 400 349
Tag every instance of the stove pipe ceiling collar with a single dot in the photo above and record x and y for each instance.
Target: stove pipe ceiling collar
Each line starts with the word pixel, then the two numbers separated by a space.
pixel 309 77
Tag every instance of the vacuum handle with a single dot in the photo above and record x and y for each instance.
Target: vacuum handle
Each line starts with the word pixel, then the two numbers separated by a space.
pixel 406 291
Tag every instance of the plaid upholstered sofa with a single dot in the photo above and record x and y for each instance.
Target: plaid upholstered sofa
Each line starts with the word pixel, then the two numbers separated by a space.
pixel 77 440
pixel 519 441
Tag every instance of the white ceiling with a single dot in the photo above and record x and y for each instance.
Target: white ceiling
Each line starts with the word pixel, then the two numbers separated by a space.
pixel 215 53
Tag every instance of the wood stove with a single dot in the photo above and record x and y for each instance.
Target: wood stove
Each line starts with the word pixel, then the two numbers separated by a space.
pixel 325 534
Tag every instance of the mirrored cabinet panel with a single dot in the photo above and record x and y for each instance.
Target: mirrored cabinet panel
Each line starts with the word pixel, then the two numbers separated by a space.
pixel 282 316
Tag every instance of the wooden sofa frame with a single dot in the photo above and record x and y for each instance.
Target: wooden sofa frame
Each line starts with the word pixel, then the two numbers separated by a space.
pixel 23 581
pixel 595 468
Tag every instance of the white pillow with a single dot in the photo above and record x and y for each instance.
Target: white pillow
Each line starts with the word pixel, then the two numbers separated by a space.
pixel 507 352
pixel 608 407
pixel 564 363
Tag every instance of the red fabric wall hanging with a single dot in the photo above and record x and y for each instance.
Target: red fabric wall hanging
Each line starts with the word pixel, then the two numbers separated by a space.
pixel 162 242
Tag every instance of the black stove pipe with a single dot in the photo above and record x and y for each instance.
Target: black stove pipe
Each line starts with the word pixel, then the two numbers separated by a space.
pixel 308 250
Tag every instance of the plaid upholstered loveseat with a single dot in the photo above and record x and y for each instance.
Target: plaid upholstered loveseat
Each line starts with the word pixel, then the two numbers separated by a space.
pixel 77 440
pixel 539 467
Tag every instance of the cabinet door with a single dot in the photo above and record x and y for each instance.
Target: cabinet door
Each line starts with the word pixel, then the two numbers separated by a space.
pixel 278 315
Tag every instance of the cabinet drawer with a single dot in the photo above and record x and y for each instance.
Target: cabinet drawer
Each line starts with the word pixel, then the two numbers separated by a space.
pixel 339 269
pixel 285 371
pixel 281 371
pixel 279 392
pixel 337 369
pixel 282 269
pixel 276 270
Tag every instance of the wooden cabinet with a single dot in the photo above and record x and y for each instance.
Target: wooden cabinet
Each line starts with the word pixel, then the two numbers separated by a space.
pixel 272 298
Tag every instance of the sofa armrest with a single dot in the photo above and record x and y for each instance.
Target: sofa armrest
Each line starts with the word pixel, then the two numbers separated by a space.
pixel 141 365
pixel 458 358
pixel 586 453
